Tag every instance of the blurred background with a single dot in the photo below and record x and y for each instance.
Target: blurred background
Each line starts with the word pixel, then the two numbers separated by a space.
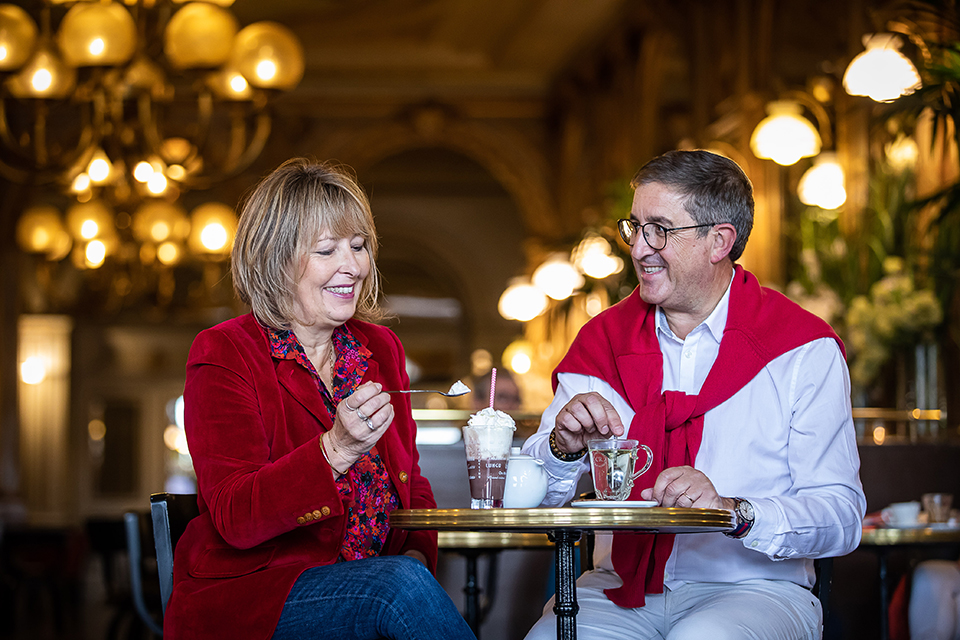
pixel 496 142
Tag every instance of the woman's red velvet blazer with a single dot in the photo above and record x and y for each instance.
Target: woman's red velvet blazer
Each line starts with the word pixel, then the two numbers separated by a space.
pixel 269 508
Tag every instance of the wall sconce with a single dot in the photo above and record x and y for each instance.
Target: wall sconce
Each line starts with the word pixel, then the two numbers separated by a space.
pixel 785 136
pixel 823 184
pixel 881 72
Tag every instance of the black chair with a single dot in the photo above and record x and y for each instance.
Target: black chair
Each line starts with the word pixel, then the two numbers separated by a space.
pixel 170 514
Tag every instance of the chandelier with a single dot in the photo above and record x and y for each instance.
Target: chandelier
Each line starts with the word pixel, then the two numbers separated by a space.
pixel 125 106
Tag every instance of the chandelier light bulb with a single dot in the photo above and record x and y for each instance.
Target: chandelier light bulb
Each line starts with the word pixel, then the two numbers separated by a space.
pixel 157 183
pixel 99 168
pixel 881 73
pixel 142 171
pixel 785 135
pixel 41 80
pixel 214 236
pixel 518 356
pixel 18 35
pixel 168 253
pixel 95 34
pixel 95 254
pixel 89 229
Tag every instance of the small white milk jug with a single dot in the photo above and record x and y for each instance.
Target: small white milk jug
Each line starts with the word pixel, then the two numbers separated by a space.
pixel 526 481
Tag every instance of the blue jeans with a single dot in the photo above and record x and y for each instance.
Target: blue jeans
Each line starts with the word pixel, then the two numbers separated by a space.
pixel 386 597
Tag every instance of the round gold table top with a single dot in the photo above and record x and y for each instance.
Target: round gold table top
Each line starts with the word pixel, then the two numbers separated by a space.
pixel 662 519
pixel 890 536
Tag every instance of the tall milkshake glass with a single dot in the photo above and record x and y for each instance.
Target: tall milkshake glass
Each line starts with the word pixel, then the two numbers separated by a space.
pixel 487 439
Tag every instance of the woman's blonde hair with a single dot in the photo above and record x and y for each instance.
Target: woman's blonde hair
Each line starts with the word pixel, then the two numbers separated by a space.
pixel 280 222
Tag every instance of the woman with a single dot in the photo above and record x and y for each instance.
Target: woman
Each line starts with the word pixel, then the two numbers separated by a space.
pixel 300 452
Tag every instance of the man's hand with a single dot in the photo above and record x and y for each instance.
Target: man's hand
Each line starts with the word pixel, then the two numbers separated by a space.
pixel 686 487
pixel 587 416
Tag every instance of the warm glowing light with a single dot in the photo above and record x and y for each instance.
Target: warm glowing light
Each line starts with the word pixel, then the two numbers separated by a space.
pixel 80 183
pixel 168 253
pixel 518 356
pixel 176 172
pixel 97 430
pixel 89 229
pixel 95 254
pixel 881 72
pixel 3 53
pixel 170 435
pixel 823 184
pixel 238 83
pixel 214 236
pixel 902 153
pixel 33 370
pixel 157 183
pixel 266 70
pixel 160 231
pixel 143 171
pixel 99 168
pixel 879 435
pixel 557 277
pixel 41 80
pixel 785 135
pixel 593 257
pixel 175 439
pixel 97 46
pixel 522 301
pixel 594 304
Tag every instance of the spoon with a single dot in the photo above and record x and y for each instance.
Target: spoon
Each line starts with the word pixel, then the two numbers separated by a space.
pixel 456 389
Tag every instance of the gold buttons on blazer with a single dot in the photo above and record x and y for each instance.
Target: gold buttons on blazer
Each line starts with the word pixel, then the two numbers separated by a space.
pixel 325 511
pixel 308 517
pixel 316 514
pixel 301 520
pixel 403 477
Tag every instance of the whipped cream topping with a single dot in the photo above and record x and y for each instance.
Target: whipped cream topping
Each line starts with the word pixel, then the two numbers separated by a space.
pixel 458 389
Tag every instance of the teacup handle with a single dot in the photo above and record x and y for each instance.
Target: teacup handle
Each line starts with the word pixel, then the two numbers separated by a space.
pixel 649 462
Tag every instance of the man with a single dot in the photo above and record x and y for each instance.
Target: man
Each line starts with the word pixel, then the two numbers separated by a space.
pixel 744 399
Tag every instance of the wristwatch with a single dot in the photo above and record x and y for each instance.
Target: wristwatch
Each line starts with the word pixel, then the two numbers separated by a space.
pixel 744 512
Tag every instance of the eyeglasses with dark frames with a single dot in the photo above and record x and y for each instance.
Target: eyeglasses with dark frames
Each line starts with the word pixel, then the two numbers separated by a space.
pixel 655 235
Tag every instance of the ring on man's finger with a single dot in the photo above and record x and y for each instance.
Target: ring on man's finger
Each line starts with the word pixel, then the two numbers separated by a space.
pixel 349 408
pixel 370 424
pixel 360 414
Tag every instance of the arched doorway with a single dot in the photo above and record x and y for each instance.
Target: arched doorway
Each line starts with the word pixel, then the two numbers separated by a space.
pixel 451 237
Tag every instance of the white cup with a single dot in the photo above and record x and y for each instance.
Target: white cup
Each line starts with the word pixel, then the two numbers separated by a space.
pixel 901 514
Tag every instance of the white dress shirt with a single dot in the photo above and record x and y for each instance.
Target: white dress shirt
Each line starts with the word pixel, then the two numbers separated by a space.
pixel 785 442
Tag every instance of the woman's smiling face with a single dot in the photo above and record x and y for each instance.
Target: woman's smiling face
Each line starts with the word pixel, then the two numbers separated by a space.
pixel 332 274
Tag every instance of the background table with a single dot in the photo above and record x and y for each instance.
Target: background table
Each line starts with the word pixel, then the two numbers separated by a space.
pixel 564 526
pixel 882 539
pixel 471 545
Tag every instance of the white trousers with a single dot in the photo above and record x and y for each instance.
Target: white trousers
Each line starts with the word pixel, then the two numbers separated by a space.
pixel 755 610
pixel 935 601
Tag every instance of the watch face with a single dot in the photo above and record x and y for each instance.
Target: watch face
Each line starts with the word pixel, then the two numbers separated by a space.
pixel 745 509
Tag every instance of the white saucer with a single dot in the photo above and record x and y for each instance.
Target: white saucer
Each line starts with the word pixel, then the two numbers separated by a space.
pixel 616 504
pixel 943 525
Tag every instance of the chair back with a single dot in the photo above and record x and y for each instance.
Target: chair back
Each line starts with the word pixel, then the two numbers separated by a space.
pixel 170 512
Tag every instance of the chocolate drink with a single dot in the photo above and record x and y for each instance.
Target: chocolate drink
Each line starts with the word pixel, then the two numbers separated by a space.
pixel 488 478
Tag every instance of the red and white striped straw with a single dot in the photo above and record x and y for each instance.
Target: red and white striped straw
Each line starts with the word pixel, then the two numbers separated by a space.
pixel 493 385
